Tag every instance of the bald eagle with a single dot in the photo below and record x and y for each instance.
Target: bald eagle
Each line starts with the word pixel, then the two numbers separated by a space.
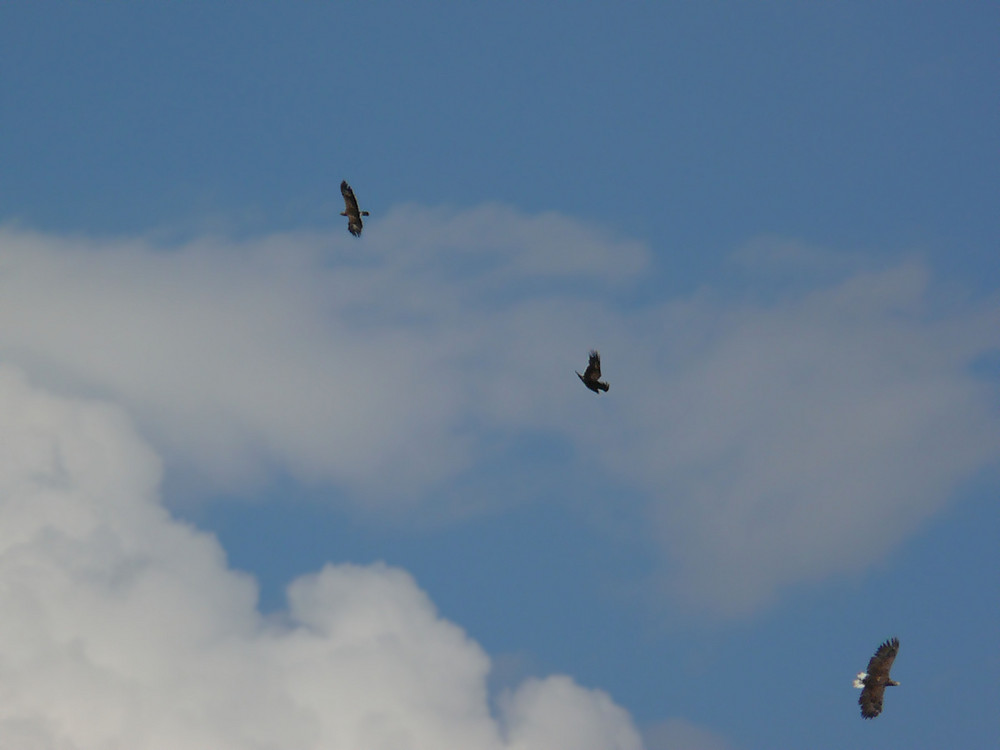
pixel 592 375
pixel 874 682
pixel 354 225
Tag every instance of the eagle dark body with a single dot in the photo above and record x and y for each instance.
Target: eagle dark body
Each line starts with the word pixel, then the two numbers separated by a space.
pixel 351 211
pixel 592 375
pixel 874 682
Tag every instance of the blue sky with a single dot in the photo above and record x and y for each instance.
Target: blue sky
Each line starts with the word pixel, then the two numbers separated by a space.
pixel 775 220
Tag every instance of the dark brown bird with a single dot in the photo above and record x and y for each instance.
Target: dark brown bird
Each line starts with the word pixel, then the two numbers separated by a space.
pixel 592 375
pixel 874 682
pixel 351 211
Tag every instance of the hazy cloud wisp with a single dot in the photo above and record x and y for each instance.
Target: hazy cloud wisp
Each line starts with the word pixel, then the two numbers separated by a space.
pixel 770 442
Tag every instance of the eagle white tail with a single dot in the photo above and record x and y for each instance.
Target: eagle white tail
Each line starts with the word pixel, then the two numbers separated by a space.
pixel 859 681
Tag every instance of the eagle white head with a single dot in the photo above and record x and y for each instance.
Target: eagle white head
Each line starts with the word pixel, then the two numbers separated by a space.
pixel 859 681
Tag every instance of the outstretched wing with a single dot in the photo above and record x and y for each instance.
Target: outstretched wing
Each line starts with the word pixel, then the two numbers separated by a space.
pixel 351 210
pixel 593 371
pixel 877 679
pixel 880 664
pixel 871 700
pixel 350 202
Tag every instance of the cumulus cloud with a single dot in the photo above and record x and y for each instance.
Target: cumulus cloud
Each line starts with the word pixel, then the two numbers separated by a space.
pixel 123 628
pixel 679 734
pixel 546 713
pixel 767 440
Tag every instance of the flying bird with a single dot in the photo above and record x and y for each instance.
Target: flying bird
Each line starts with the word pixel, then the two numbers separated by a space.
pixel 351 211
pixel 592 375
pixel 874 682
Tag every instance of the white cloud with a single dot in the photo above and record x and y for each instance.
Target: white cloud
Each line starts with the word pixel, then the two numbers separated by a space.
pixel 330 358
pixel 123 628
pixel 549 713
pixel 679 734
pixel 808 438
pixel 771 442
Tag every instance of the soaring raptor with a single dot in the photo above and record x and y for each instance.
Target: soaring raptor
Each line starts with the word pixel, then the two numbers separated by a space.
pixel 874 682
pixel 351 211
pixel 592 375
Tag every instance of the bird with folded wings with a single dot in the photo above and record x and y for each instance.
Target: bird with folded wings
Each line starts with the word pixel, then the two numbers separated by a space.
pixel 592 375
